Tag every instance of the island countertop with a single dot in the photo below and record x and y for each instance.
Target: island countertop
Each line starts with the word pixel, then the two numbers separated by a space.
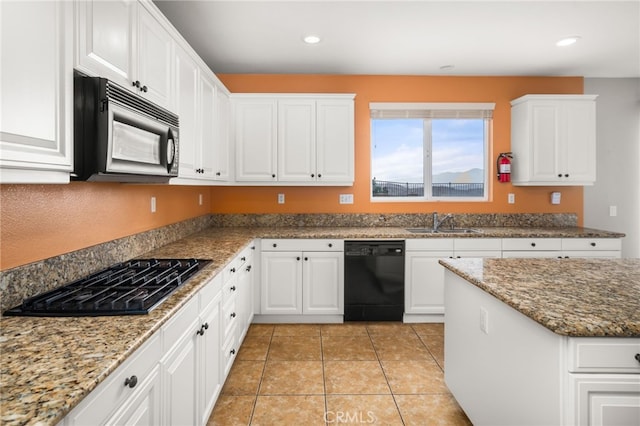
pixel 571 297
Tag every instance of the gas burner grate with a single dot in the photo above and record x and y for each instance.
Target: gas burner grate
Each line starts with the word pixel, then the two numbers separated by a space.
pixel 134 287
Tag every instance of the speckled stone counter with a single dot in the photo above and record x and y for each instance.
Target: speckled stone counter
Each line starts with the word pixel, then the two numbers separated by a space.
pixel 48 365
pixel 571 297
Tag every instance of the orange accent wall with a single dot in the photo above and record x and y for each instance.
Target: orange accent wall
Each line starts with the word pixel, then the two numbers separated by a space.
pixel 41 221
pixel 500 90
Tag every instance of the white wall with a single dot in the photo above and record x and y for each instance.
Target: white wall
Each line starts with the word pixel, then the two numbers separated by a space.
pixel 618 160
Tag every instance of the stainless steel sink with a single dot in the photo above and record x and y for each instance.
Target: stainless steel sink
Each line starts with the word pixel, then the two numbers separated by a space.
pixel 444 231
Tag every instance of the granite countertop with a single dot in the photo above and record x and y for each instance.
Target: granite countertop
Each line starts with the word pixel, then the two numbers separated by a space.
pixel 571 297
pixel 48 365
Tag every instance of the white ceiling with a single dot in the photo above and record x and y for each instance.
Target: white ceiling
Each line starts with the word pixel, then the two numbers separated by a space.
pixel 413 37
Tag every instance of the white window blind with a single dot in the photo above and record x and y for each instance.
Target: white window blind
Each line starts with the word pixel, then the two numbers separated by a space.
pixel 431 110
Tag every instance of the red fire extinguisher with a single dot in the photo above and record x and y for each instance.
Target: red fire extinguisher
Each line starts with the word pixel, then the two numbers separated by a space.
pixel 504 167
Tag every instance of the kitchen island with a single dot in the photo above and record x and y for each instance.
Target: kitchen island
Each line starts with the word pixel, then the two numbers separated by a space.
pixel 544 341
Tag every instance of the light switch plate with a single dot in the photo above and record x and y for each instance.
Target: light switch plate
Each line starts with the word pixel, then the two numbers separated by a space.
pixel 511 198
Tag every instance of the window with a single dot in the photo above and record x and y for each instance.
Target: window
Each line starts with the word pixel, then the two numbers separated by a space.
pixel 430 151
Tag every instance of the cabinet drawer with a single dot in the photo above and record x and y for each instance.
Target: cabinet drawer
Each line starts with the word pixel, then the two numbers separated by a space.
pixel 229 352
pixel 470 244
pixel 591 244
pixel 209 292
pixel 477 253
pixel 230 288
pixel 531 244
pixel 424 244
pixel 301 245
pixel 175 328
pixel 604 355
pixel 229 316
pixel 112 393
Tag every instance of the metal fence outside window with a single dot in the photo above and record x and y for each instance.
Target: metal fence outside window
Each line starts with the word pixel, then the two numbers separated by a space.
pixel 384 188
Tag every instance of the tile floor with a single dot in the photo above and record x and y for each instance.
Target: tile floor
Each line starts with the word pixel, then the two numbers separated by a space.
pixel 370 373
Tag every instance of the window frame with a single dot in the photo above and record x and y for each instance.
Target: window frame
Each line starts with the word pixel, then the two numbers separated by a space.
pixel 428 112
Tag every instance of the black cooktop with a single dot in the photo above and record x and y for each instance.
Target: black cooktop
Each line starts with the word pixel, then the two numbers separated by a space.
pixel 134 287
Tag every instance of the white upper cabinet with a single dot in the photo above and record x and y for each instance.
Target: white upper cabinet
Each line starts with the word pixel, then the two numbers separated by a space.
pixel 121 40
pixel 187 104
pixel 155 60
pixel 553 140
pixel 36 101
pixel 299 140
pixel 335 140
pixel 204 109
pixel 256 139
pixel 296 140
pixel 221 122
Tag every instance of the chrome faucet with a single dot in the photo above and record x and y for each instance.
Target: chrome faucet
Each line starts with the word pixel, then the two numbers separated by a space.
pixel 437 222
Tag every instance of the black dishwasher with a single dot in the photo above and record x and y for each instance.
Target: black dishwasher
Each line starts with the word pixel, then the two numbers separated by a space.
pixel 373 280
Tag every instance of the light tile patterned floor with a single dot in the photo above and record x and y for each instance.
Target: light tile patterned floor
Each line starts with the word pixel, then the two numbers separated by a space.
pixel 384 373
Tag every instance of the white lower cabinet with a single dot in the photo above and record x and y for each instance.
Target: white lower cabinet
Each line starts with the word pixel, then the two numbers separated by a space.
pixel 605 399
pixel 424 276
pixel 131 392
pixel 174 378
pixel 562 247
pixel 142 408
pixel 517 372
pixel 302 277
pixel 191 366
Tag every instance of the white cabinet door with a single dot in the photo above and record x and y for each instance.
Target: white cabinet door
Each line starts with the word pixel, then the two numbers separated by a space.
pixel 256 140
pixel 301 140
pixel 121 40
pixel 335 141
pixel 106 39
pixel 221 139
pixel 296 140
pixel 605 399
pixel 424 282
pixel 154 60
pixel 245 294
pixel 36 80
pixel 179 380
pixel 144 407
pixel 207 126
pixel 323 283
pixel 187 104
pixel 578 155
pixel 281 288
pixel 209 361
pixel 553 140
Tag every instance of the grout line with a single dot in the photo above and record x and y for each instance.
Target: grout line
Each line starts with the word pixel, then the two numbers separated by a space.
pixel 264 368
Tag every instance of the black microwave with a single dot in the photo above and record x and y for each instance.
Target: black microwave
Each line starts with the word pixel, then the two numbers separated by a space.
pixel 120 136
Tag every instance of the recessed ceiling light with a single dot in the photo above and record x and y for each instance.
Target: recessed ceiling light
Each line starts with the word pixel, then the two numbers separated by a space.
pixel 311 39
pixel 567 41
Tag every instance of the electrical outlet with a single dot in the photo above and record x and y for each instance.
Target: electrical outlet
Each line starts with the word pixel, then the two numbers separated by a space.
pixel 153 204
pixel 280 198
pixel 346 198
pixel 199 199
pixel 511 198
pixel 484 320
